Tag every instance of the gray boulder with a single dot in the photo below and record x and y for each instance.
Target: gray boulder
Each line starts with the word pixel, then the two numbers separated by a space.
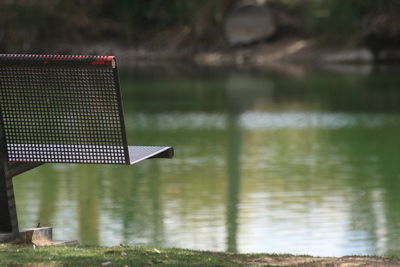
pixel 247 24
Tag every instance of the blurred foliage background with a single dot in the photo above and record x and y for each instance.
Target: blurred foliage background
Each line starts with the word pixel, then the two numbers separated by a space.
pixel 339 20
pixel 25 24
pixel 35 21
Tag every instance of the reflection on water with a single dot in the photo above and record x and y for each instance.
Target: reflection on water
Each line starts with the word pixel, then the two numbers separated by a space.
pixel 265 162
pixel 260 120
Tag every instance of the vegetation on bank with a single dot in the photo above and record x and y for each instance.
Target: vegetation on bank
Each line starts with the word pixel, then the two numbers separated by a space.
pixel 26 25
pixel 342 20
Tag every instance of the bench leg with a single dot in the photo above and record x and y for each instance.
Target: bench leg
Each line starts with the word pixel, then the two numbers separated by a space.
pixel 8 211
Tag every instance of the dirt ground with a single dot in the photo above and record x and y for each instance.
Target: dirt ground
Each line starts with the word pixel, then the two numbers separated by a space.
pixel 306 261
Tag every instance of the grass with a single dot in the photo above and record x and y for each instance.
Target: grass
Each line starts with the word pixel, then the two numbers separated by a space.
pixel 12 255
pixel 18 255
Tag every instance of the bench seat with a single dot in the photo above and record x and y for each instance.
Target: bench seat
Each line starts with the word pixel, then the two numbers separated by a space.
pixel 139 153
pixel 42 153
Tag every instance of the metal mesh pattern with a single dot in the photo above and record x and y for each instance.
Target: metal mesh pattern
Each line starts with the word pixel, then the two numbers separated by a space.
pixel 62 109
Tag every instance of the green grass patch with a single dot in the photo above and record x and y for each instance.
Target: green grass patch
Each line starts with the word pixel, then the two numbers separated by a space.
pixel 12 255
pixel 17 255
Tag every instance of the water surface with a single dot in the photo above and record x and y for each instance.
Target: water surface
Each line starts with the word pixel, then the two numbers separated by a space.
pixel 301 161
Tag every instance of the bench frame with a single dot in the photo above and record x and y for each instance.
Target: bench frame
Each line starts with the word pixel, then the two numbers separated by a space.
pixel 35 154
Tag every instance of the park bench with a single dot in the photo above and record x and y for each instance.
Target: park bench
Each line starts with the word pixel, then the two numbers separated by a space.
pixel 60 109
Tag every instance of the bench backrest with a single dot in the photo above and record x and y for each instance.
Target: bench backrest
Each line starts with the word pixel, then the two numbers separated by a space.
pixel 62 109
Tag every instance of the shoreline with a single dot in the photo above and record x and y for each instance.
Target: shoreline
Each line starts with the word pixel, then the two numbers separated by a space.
pixel 295 51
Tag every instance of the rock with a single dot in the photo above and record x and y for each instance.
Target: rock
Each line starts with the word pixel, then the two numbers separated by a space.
pixel 250 23
pixel 36 235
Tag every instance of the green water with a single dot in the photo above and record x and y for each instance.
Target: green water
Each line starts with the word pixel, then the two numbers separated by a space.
pixel 302 161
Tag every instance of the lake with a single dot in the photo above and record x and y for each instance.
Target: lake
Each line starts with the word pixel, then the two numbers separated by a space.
pixel 283 160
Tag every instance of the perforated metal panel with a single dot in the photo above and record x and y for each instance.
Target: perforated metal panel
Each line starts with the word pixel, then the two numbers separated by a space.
pixel 62 109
